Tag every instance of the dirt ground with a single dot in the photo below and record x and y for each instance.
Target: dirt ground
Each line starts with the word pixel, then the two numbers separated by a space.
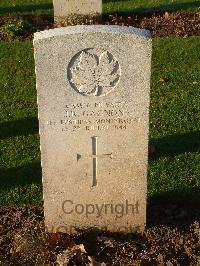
pixel 172 237
pixel 161 25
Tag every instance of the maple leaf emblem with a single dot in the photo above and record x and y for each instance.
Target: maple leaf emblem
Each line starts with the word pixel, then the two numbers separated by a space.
pixel 95 75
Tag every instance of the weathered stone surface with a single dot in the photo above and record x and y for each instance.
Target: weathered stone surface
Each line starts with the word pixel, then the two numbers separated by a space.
pixel 64 8
pixel 93 86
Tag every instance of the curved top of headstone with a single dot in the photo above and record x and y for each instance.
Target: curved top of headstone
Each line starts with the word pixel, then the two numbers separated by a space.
pixel 90 29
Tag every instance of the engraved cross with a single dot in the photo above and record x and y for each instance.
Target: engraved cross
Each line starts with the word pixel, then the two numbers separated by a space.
pixel 94 158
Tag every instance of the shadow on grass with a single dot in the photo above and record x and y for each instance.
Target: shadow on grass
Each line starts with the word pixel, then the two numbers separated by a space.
pixel 177 208
pixel 176 144
pixel 26 126
pixel 9 10
pixel 157 9
pixel 21 176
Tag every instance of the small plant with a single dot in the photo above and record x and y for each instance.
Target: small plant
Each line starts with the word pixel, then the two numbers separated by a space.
pixel 77 19
pixel 14 27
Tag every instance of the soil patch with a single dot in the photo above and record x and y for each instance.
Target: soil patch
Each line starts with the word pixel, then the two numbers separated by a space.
pixel 172 237
pixel 161 25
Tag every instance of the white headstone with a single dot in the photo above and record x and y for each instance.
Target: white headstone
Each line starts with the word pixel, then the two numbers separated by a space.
pixel 64 8
pixel 93 85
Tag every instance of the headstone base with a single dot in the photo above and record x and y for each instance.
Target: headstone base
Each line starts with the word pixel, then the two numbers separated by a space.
pixel 77 19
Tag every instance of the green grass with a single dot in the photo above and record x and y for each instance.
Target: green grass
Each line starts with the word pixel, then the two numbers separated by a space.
pixel 20 178
pixel 149 6
pixel 175 118
pixel 26 7
pixel 174 122
pixel 38 7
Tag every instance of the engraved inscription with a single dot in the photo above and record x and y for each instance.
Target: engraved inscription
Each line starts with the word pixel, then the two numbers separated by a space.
pixel 93 72
pixel 75 6
pixel 95 117
pixel 94 157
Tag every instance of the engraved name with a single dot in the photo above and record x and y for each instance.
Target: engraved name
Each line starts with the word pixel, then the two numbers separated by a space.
pixel 95 116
